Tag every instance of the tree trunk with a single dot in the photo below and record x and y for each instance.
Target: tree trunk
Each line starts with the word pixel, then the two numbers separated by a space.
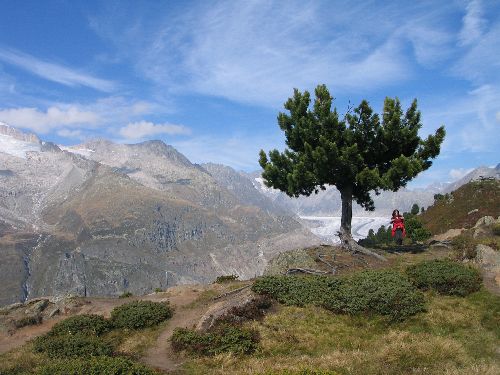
pixel 345 235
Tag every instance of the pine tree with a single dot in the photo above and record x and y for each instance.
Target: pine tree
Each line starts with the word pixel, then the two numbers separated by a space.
pixel 359 154
pixel 415 209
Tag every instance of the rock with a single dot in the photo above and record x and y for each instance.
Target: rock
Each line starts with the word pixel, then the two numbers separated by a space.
pixel 449 234
pixel 485 221
pixel 54 312
pixel 487 257
pixel 472 211
pixel 489 260
pixel 220 308
pixel 37 307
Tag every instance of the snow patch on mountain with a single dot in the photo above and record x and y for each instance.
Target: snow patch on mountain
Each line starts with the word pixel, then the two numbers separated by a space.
pixel 16 147
pixel 80 151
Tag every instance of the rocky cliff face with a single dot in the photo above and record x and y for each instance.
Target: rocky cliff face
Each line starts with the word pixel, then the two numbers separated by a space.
pixel 103 218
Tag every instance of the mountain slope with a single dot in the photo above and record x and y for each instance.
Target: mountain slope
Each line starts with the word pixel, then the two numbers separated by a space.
pixel 105 218
pixel 464 206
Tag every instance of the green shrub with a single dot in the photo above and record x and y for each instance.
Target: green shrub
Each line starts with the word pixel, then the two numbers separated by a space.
pixel 464 246
pixel 495 228
pixel 223 338
pixel 71 346
pixel 445 277
pixel 28 321
pixel 125 295
pixel 87 324
pixel 158 290
pixel 140 314
pixel 252 310
pixel 383 292
pixel 96 366
pixel 302 372
pixel 226 278
pixel 296 290
pixel 415 229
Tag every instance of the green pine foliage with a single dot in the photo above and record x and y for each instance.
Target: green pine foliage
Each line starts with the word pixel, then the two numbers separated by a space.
pixel 86 324
pixel 415 230
pixel 415 209
pixel 381 292
pixel 78 345
pixel 445 277
pixel 295 290
pixel 223 338
pixel 95 366
pixel 359 153
pixel 140 314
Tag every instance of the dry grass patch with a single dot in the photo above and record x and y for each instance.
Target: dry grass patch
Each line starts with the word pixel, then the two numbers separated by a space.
pixel 456 336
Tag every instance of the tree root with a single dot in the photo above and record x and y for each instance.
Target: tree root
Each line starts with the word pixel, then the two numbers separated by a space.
pixel 348 243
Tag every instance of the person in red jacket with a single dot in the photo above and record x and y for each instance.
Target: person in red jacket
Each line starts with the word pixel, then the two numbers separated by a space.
pixel 398 227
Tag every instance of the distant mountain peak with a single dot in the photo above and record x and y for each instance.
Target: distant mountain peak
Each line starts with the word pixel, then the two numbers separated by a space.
pixel 15 133
pixel 16 143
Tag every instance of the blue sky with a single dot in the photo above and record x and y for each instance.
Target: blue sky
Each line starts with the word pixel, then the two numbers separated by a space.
pixel 209 77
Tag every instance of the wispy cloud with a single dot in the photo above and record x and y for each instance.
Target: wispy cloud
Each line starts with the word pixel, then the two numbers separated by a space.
pixel 145 129
pixel 68 133
pixel 55 72
pixel 473 23
pixel 44 121
pixel 257 51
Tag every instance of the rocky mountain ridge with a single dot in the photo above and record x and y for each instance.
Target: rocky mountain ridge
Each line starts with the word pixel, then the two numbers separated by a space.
pixel 103 218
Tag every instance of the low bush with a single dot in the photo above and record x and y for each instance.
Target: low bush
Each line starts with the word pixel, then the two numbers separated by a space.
pixel 296 290
pixel 28 321
pixel 222 338
pixel 464 246
pixel 87 324
pixel 302 372
pixel 140 314
pixel 445 277
pixel 383 292
pixel 252 310
pixel 495 228
pixel 125 295
pixel 226 278
pixel 96 366
pixel 71 346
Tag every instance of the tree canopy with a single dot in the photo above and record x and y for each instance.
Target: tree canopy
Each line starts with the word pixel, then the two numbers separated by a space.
pixel 361 152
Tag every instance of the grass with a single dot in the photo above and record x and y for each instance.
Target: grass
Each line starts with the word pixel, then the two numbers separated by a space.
pixel 456 336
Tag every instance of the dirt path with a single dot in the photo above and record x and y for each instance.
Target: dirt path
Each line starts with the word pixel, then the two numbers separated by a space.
pixel 178 296
pixel 160 355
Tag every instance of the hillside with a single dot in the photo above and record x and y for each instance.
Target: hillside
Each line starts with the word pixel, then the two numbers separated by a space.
pixel 454 334
pixel 102 218
pixel 464 206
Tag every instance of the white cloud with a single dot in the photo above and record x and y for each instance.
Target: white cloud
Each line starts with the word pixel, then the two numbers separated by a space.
pixel 144 129
pixel 44 122
pixel 55 72
pixel 258 51
pixel 457 173
pixel 473 24
pixel 67 133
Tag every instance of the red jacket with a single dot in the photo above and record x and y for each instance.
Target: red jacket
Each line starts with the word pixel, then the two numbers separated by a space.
pixel 398 222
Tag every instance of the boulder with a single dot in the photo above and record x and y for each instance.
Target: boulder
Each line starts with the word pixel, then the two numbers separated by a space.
pixel 489 260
